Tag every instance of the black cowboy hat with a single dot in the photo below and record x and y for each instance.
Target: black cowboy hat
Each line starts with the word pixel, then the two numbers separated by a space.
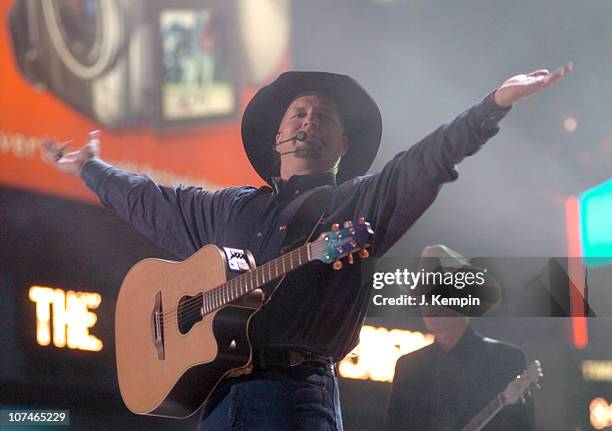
pixel 263 114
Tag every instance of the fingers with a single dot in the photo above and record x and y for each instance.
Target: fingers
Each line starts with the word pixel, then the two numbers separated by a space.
pixel 561 72
pixel 92 149
pixel 539 72
pixel 542 78
pixel 64 145
pixel 46 150
pixel 58 152
pixel 94 135
pixel 53 151
pixel 546 77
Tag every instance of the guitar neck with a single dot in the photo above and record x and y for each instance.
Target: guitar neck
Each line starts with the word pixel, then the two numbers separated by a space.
pixel 251 280
pixel 478 422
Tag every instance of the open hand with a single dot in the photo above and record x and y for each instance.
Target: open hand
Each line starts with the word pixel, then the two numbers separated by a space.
pixel 521 86
pixel 72 162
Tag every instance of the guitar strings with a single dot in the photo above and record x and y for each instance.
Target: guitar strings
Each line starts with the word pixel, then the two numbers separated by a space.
pixel 223 295
pixel 193 306
pixel 197 310
pixel 219 296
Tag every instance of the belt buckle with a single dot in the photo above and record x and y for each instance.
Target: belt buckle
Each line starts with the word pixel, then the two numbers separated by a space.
pixel 294 358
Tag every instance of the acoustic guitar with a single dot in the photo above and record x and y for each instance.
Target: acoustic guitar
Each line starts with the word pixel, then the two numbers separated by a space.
pixel 181 327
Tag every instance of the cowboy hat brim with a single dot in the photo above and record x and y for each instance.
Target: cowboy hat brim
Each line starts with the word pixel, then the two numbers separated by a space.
pixel 451 272
pixel 263 114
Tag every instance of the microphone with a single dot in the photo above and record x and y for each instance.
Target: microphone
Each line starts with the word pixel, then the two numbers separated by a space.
pixel 299 136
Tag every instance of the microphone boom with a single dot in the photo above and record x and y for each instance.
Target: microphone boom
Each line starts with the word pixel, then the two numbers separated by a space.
pixel 299 136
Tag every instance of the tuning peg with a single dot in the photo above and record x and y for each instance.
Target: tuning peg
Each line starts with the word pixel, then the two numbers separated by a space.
pixel 348 223
pixel 350 258
pixel 362 220
pixel 335 227
pixel 337 265
pixel 363 253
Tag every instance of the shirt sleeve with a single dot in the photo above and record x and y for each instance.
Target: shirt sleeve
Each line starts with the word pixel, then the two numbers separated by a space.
pixel 393 199
pixel 179 219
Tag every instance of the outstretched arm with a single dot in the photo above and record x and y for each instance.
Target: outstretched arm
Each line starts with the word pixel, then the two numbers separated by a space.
pixel 179 219
pixel 395 198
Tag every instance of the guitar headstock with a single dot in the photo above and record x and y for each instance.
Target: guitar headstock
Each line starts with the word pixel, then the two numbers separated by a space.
pixel 523 384
pixel 339 242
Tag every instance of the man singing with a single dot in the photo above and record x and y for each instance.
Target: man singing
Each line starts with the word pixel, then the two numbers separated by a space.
pixel 312 137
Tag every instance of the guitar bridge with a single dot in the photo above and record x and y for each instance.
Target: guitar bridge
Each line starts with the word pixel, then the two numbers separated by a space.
pixel 157 327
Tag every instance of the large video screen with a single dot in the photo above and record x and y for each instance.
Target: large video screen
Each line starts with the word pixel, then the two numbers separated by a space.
pixel 197 79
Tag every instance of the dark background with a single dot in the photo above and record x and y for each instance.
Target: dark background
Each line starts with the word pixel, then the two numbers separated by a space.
pixel 423 62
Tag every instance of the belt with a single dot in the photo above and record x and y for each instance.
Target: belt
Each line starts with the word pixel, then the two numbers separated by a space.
pixel 266 357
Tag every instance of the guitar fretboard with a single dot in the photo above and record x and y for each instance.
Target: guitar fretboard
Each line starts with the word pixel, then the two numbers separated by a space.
pixel 251 280
pixel 486 414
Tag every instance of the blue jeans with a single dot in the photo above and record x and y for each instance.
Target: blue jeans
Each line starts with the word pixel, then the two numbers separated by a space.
pixel 297 398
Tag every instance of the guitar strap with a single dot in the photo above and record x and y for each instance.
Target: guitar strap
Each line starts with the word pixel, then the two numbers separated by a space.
pixel 299 232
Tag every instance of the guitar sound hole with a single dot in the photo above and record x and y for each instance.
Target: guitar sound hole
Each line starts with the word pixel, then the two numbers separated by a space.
pixel 188 313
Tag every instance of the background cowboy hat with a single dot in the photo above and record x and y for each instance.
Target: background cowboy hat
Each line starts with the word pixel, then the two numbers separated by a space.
pixel 442 260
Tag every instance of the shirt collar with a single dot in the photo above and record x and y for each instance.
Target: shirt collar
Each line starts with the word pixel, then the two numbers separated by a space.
pixel 464 346
pixel 303 182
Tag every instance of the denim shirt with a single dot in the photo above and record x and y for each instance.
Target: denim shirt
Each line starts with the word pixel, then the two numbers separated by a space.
pixel 316 307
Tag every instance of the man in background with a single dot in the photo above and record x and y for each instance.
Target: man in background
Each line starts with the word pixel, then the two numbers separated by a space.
pixel 444 385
